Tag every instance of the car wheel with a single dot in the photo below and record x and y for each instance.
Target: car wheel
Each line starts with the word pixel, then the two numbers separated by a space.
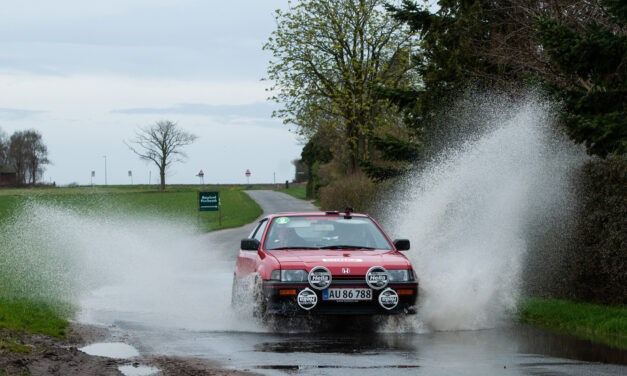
pixel 259 299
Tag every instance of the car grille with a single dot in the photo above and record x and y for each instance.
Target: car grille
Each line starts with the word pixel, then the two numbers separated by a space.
pixel 345 277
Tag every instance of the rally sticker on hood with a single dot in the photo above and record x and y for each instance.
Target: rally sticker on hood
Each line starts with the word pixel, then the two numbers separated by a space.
pixel 342 260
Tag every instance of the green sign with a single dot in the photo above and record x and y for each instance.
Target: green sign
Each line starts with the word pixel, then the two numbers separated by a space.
pixel 208 201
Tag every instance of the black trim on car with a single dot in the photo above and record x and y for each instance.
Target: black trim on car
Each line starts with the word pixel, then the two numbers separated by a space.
pixel 286 304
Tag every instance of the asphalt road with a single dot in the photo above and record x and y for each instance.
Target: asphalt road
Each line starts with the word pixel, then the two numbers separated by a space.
pixel 183 310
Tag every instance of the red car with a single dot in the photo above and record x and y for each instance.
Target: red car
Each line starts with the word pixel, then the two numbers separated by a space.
pixel 323 263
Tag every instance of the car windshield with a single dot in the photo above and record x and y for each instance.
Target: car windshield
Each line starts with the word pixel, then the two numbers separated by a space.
pixel 324 232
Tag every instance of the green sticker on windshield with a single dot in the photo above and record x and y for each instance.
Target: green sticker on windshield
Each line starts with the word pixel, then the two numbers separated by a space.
pixel 282 220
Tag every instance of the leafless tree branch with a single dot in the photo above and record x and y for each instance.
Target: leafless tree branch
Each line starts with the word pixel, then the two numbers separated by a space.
pixel 161 143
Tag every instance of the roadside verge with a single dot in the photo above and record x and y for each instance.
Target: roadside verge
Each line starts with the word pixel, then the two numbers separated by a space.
pixel 597 323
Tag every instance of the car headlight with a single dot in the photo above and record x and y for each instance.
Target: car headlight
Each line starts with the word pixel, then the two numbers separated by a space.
pixel 275 275
pixel 400 275
pixel 293 275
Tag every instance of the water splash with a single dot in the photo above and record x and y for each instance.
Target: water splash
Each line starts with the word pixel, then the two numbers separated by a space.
pixel 117 267
pixel 471 213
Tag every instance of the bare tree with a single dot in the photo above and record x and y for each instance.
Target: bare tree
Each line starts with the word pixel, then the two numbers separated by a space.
pixel 161 143
pixel 27 154
pixel 36 155
pixel 4 148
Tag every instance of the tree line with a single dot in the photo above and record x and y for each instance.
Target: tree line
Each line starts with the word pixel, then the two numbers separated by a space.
pixel 366 81
pixel 25 154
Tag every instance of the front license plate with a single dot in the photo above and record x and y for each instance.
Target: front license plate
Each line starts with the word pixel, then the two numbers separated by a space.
pixel 347 294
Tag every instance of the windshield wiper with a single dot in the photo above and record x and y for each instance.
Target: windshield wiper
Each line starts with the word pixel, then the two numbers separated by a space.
pixel 345 247
pixel 292 247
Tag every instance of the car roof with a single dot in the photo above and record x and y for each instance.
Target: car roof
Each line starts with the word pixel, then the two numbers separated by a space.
pixel 316 213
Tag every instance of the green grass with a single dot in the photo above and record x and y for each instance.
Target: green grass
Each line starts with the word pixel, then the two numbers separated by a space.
pixel 9 344
pixel 237 208
pixel 595 322
pixel 175 203
pixel 24 315
pixel 298 192
pixel 33 316
pixel 4 372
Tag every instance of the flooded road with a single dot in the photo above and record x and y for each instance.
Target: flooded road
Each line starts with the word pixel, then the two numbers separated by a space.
pixel 512 351
pixel 188 314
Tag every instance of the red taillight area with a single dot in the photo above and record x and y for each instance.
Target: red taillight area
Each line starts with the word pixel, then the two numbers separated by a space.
pixel 287 292
pixel 405 292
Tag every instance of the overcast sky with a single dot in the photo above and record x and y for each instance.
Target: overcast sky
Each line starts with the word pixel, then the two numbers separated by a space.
pixel 86 74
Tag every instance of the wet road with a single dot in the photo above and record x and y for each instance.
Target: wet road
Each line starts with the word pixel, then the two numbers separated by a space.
pixel 188 314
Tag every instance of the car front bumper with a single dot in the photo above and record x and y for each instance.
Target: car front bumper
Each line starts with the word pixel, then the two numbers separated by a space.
pixel 278 303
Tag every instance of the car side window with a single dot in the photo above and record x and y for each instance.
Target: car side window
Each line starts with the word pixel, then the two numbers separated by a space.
pixel 260 229
pixel 252 233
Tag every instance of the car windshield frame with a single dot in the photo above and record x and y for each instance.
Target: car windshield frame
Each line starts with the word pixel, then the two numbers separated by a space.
pixel 324 232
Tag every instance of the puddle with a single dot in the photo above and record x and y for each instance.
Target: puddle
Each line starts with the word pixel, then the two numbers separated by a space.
pixel 132 370
pixel 369 344
pixel 116 350
pixel 286 367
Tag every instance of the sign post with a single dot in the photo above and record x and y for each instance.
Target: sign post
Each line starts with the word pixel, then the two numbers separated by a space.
pixel 210 201
pixel 201 175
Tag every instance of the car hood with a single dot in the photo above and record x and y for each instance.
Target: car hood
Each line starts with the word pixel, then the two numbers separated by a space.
pixel 357 261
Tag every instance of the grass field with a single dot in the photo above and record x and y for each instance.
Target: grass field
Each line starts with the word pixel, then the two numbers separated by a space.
pixel 298 192
pixel 28 315
pixel 24 308
pixel 176 202
pixel 19 314
pixel 598 323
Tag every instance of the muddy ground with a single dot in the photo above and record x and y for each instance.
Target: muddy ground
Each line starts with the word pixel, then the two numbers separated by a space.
pixel 54 356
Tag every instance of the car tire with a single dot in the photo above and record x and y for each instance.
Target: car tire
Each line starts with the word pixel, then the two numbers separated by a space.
pixel 259 299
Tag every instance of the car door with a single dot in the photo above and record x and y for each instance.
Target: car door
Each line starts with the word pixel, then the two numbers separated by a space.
pixel 247 261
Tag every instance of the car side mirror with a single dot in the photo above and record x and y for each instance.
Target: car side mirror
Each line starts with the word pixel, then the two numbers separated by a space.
pixel 401 244
pixel 250 244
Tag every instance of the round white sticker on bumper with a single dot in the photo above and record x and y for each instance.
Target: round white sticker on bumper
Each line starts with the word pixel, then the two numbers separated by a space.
pixel 388 299
pixel 307 299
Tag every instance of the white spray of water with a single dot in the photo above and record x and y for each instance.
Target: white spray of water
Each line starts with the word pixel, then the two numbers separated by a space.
pixel 467 215
pixel 117 267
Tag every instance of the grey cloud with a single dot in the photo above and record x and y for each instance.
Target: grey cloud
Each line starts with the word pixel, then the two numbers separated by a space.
pixel 261 110
pixel 193 39
pixel 223 60
pixel 16 114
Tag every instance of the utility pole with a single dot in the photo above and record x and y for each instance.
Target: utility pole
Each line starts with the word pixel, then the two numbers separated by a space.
pixel 105 158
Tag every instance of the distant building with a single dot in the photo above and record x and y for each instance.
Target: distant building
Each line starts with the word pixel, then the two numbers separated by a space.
pixel 8 176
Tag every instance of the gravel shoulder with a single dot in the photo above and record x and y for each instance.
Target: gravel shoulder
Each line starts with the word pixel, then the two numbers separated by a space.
pixel 61 356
